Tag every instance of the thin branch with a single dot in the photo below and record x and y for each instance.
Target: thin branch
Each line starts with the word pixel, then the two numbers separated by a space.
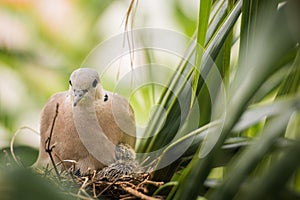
pixel 107 187
pixel 137 193
pixel 93 182
pixel 49 148
pixel 157 184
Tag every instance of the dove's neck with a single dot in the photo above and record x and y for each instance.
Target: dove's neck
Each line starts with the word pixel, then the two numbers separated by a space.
pixel 99 92
pixel 92 135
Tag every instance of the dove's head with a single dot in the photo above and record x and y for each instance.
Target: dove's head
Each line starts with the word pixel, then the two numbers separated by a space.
pixel 85 86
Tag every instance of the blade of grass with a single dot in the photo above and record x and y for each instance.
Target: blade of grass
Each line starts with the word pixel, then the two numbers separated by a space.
pixel 224 56
pixel 256 113
pixel 218 13
pixel 292 81
pixel 203 21
pixel 205 98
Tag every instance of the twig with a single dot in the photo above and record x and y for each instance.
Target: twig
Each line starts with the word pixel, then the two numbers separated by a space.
pixel 127 197
pixel 125 182
pixel 157 184
pixel 137 193
pixel 86 179
pixel 13 141
pixel 94 185
pixel 107 187
pixel 48 142
pixel 82 188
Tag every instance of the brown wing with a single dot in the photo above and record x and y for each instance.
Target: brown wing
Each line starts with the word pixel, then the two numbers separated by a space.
pixel 116 118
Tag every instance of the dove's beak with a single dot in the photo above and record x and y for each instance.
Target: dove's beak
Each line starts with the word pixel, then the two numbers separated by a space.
pixel 78 95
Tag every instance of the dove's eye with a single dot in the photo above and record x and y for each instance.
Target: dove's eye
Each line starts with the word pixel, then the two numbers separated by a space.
pixel 70 82
pixel 95 83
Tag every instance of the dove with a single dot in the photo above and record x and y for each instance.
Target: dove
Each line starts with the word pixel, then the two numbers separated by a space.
pixel 90 123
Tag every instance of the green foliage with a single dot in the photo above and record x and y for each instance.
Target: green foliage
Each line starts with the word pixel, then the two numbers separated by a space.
pixel 267 45
pixel 19 183
pixel 25 155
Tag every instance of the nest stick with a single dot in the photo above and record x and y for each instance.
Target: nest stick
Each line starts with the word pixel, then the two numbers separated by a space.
pixel 49 148
pixel 137 193
pixel 107 187
pixel 94 185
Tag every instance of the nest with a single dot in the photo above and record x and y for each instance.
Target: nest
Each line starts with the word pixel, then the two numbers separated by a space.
pixel 120 180
pixel 130 186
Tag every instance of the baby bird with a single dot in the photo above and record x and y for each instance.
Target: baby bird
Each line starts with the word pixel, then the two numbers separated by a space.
pixel 125 164
pixel 89 124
